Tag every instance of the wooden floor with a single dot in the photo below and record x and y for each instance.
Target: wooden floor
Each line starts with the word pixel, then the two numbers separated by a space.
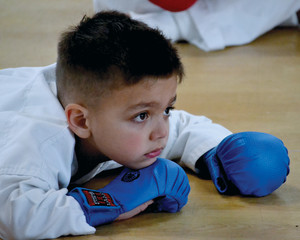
pixel 254 87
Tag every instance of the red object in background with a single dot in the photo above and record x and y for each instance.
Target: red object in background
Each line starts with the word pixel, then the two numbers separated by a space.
pixel 174 5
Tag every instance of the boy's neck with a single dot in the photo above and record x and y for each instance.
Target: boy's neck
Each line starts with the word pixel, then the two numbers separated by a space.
pixel 87 158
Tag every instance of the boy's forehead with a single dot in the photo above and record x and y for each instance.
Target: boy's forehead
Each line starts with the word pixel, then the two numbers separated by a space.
pixel 154 103
pixel 151 93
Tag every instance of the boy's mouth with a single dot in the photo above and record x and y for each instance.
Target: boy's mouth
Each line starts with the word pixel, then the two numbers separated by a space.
pixel 154 153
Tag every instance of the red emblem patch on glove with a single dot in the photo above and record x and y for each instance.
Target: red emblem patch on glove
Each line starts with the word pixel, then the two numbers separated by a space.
pixel 95 198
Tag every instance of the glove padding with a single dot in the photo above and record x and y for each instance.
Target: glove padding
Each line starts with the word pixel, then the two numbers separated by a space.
pixel 164 181
pixel 252 163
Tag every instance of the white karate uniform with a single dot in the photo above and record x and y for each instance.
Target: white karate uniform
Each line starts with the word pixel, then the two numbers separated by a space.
pixel 211 24
pixel 37 157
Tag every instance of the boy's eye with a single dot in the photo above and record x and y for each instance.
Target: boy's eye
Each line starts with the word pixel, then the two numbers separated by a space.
pixel 141 117
pixel 168 110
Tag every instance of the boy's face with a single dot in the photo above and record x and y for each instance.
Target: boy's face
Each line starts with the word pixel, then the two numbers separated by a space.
pixel 131 125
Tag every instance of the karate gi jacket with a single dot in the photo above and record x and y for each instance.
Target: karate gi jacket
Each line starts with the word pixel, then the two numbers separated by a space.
pixel 37 158
pixel 211 25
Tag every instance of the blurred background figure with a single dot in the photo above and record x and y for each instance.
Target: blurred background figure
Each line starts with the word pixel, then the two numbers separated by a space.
pixel 209 24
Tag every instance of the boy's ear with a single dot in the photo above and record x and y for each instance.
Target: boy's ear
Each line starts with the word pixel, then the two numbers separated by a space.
pixel 77 120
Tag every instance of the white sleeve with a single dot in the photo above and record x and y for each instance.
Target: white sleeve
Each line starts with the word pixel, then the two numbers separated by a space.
pixel 211 25
pixel 191 136
pixel 36 160
pixel 32 210
pixel 221 23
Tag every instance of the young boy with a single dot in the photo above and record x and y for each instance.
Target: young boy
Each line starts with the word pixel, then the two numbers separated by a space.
pixel 107 103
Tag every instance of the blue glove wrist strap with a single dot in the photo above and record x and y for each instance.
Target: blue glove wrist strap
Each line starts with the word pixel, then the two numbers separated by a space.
pixel 213 166
pixel 93 203
pixel 216 172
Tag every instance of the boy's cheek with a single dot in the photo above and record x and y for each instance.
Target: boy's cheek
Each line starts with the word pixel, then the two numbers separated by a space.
pixel 134 144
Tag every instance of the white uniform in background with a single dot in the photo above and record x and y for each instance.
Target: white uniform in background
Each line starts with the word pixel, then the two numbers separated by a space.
pixel 211 24
pixel 37 156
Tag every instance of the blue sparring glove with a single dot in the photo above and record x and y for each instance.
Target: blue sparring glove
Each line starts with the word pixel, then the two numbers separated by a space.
pixel 164 181
pixel 252 163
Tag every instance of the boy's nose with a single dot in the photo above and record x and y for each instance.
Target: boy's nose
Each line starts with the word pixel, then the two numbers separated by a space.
pixel 160 130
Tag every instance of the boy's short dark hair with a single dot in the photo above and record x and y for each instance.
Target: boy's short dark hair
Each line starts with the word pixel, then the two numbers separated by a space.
pixel 110 50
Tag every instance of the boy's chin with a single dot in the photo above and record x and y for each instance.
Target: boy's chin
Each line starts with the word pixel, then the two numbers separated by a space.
pixel 143 164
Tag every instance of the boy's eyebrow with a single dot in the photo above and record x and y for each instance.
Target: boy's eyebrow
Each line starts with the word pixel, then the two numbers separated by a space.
pixel 150 104
pixel 173 100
